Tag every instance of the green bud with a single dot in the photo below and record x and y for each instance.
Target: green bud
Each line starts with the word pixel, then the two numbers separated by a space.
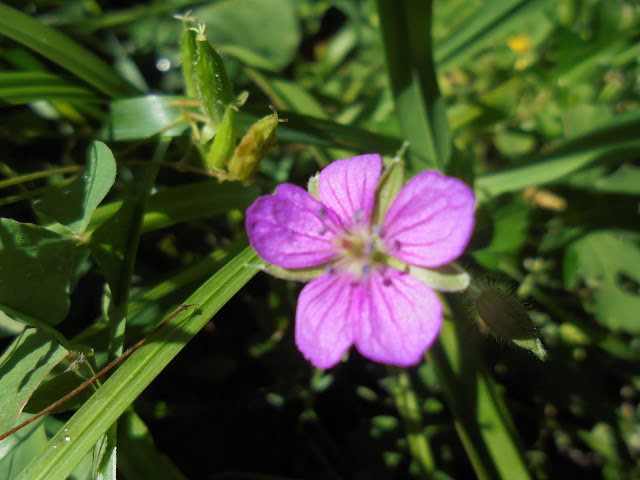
pixel 224 142
pixel 253 147
pixel 212 83
pixel 390 184
pixel 502 315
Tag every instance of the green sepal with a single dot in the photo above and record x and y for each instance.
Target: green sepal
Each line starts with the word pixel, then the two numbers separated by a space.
pixel 253 147
pixel 214 88
pixel 312 186
pixel 299 274
pixel 188 56
pixel 224 142
pixel 534 345
pixel 449 278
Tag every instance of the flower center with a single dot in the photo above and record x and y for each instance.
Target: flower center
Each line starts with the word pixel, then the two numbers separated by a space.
pixel 361 250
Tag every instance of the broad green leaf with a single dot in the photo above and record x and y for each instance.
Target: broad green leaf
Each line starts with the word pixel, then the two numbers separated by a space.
pixel 406 33
pixel 480 414
pixel 93 419
pixel 60 49
pixel 74 204
pixel 138 118
pixel 137 456
pixel 17 88
pixel 37 267
pixel 53 389
pixel 510 229
pixel 19 449
pixel 606 264
pixel 268 29
pixel 24 365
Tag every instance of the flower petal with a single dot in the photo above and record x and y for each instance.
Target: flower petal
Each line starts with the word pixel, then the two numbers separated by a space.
pixel 348 187
pixel 291 229
pixel 400 318
pixel 324 316
pixel 430 221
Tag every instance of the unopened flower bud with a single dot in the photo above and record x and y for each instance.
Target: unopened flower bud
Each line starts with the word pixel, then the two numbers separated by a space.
pixel 253 147
pixel 502 315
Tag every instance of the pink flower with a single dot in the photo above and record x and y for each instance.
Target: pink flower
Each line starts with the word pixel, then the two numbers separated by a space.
pixel 366 295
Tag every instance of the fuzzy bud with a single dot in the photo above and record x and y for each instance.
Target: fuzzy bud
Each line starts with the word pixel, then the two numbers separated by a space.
pixel 502 315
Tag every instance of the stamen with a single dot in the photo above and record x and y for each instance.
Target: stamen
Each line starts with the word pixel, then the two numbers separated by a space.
pixel 329 269
pixel 377 230
pixel 322 213
pixel 357 217
pixel 324 229
pixel 369 248
pixel 366 269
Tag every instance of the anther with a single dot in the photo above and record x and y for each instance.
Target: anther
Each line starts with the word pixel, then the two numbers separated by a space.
pixel 323 230
pixel 366 269
pixel 329 269
pixel 357 217
pixel 322 212
pixel 369 248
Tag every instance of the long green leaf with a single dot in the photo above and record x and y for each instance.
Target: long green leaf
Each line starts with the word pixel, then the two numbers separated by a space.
pixel 480 415
pixel 139 118
pixel 60 49
pixel 93 419
pixel 406 32
pixel 17 88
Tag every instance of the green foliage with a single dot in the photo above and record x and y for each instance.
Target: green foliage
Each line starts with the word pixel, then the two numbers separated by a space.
pixel 533 103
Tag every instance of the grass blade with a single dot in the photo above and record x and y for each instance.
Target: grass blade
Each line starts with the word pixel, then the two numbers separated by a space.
pixel 406 32
pixel 60 49
pixel 91 421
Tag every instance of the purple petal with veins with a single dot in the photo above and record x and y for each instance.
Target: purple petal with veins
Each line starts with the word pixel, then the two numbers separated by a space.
pixel 430 221
pixel 291 229
pixel 348 187
pixel 400 317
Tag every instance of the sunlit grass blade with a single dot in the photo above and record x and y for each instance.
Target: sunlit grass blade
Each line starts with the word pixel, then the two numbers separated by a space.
pixel 406 33
pixel 60 49
pixel 92 420
pixel 617 142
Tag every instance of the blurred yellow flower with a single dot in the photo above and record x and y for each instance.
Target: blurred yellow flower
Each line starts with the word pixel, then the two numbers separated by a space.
pixel 519 44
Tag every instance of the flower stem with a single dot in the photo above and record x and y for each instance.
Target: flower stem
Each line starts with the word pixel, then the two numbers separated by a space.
pixel 408 407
